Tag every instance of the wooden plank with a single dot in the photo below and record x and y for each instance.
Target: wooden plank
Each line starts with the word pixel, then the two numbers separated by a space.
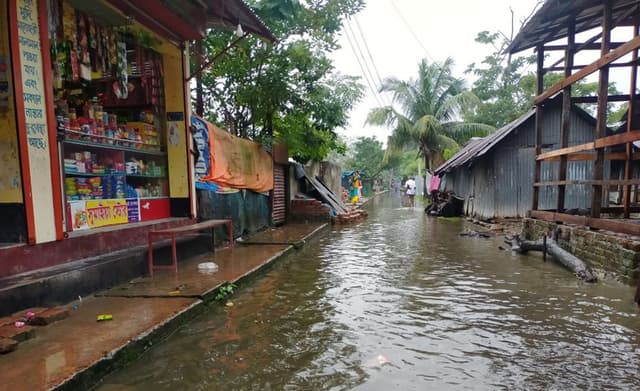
pixel 565 121
pixel 608 141
pixel 594 99
pixel 578 157
pixel 582 46
pixel 589 69
pixel 595 182
pixel 538 128
pixel 565 151
pixel 630 115
pixel 612 65
pixel 620 226
pixel 616 139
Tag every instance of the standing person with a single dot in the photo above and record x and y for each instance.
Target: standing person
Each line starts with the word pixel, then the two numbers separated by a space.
pixel 353 189
pixel 410 185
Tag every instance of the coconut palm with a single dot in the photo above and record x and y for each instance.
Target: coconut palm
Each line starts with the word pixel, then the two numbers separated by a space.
pixel 429 112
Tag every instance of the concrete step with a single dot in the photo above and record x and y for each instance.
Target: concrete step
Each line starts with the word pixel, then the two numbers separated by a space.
pixel 63 283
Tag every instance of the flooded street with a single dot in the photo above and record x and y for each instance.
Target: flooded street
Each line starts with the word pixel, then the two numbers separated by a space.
pixel 400 301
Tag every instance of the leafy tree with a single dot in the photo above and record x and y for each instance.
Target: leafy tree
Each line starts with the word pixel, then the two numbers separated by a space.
pixel 367 158
pixel 506 87
pixel 498 84
pixel 287 91
pixel 428 113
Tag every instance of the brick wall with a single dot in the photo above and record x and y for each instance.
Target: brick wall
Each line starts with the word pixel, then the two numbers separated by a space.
pixel 606 252
pixel 308 209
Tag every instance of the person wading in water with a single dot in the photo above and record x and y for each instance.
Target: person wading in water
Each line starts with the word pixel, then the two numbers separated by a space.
pixel 410 185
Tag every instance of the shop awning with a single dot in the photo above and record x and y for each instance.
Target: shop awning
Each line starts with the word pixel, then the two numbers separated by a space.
pixel 180 20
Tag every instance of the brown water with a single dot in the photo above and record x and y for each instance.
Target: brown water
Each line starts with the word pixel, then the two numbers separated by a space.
pixel 402 302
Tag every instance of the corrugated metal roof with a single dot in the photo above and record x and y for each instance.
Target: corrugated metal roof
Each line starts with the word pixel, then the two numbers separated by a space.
pixel 550 22
pixel 230 13
pixel 477 148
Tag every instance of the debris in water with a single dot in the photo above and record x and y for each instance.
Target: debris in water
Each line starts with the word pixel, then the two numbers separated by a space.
pixel 207 267
pixel 476 234
pixel 376 362
pixel 229 304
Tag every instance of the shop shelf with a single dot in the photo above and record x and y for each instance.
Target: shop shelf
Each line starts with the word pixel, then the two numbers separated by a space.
pixel 89 174
pixel 146 176
pixel 114 147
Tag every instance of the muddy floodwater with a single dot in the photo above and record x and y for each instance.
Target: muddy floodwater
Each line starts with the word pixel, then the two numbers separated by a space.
pixel 401 302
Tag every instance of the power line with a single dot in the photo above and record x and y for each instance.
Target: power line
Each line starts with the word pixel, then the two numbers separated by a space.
pixel 373 63
pixel 362 67
pixel 366 46
pixel 406 24
pixel 361 56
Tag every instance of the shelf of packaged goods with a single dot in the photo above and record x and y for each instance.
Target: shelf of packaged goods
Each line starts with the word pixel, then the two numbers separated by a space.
pixel 92 174
pixel 114 147
pixel 146 176
pixel 154 198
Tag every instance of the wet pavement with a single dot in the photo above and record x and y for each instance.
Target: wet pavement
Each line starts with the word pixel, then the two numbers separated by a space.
pixel 65 348
pixel 402 302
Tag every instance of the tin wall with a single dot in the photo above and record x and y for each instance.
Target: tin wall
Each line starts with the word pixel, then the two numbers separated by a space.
pixel 500 183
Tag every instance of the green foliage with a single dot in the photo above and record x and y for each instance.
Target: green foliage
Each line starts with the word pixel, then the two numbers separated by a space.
pixel 506 88
pixel 288 91
pixel 426 113
pixel 224 291
pixel 498 84
pixel 367 157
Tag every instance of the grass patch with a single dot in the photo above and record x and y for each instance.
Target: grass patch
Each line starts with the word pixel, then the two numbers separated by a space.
pixel 452 219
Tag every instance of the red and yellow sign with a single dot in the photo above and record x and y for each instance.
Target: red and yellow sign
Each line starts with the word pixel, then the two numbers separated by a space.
pixel 106 212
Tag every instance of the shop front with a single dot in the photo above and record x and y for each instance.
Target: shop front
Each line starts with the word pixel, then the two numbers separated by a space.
pixel 94 114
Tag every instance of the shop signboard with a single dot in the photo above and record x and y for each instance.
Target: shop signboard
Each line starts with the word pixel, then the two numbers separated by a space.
pixel 78 211
pixel 153 209
pixel 101 213
pixel 201 141
pixel 133 210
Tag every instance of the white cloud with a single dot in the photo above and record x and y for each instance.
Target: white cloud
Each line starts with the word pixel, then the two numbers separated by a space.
pixel 444 29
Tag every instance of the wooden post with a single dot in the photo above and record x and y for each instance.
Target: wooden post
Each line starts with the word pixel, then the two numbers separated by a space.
pixel 601 117
pixel 538 128
pixel 566 113
pixel 199 53
pixel 630 123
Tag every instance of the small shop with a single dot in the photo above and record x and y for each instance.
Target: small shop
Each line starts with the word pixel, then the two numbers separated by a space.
pixel 109 94
pixel 13 222
pixel 94 122
pixel 101 114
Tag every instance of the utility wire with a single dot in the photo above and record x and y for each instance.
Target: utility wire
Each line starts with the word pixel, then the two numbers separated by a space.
pixel 406 24
pixel 373 63
pixel 360 55
pixel 362 68
pixel 366 46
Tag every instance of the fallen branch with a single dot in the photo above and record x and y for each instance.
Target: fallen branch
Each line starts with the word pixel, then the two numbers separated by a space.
pixel 563 256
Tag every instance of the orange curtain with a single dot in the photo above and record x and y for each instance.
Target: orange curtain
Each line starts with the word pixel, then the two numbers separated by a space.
pixel 237 162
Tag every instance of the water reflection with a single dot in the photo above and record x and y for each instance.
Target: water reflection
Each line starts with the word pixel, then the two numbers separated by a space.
pixel 402 302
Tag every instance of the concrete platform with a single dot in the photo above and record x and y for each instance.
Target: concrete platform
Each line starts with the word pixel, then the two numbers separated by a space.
pixel 76 352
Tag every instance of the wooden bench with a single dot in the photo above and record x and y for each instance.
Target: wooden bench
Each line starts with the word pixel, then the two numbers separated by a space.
pixel 171 233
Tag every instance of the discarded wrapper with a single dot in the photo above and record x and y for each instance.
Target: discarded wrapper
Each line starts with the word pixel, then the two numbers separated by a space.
pixel 105 317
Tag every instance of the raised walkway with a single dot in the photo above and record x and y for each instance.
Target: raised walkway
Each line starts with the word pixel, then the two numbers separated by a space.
pixel 76 352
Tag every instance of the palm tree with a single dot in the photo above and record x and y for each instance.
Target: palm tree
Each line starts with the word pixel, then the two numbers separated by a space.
pixel 430 108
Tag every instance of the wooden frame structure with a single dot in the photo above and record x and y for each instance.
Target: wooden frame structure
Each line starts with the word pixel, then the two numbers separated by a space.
pixel 563 20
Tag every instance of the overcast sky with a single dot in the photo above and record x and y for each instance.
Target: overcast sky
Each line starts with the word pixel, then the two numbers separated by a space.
pixel 399 33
